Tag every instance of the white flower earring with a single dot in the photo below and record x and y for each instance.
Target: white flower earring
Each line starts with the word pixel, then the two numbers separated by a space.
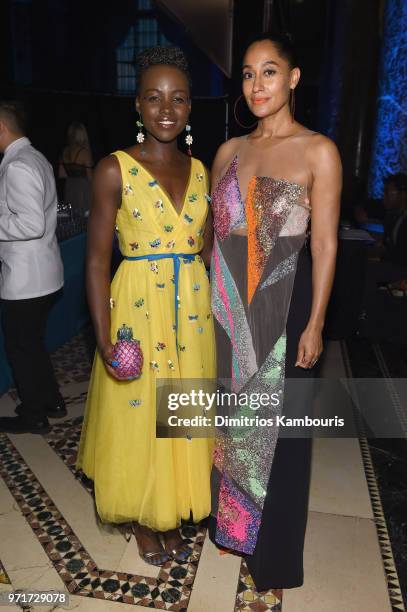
pixel 140 136
pixel 188 138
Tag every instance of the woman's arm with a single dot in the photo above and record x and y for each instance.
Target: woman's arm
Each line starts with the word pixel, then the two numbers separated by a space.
pixel 89 164
pixel 206 252
pixel 106 198
pixel 326 169
pixel 61 170
pixel 85 158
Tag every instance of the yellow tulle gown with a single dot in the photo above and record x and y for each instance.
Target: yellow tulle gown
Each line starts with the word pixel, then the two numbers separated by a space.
pixel 138 477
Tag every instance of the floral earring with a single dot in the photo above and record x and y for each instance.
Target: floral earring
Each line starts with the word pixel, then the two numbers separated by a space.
pixel 140 135
pixel 188 138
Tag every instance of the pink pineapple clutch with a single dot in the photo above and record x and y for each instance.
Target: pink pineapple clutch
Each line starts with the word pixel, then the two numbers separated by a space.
pixel 127 356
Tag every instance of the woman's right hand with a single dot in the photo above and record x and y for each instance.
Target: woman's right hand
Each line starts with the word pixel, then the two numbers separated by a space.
pixel 106 352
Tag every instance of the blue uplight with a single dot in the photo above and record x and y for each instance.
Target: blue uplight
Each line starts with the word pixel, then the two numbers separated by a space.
pixel 389 151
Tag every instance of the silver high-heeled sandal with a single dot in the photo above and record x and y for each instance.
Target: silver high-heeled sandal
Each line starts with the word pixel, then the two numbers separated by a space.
pixel 162 555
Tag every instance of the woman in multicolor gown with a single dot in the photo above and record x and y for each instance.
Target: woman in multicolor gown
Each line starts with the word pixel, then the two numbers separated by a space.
pixel 269 299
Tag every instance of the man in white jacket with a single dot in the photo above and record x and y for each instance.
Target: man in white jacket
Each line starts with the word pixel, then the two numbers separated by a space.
pixel 31 275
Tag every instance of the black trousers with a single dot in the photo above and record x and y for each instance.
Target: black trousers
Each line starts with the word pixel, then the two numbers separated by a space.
pixel 23 323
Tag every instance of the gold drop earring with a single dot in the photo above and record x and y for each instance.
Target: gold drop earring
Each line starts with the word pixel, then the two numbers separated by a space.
pixel 292 103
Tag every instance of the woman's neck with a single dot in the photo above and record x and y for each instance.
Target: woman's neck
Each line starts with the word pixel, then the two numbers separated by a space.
pixel 278 125
pixel 159 152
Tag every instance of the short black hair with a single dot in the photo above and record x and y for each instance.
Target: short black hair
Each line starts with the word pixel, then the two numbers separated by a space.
pixel 399 180
pixel 14 113
pixel 162 56
pixel 282 40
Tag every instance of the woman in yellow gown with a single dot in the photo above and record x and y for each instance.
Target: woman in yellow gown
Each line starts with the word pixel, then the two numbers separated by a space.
pixel 157 200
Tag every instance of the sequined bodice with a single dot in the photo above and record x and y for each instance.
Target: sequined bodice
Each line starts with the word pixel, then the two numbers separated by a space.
pixel 275 199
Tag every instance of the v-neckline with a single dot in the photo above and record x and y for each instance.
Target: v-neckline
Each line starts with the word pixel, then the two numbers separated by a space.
pixel 164 191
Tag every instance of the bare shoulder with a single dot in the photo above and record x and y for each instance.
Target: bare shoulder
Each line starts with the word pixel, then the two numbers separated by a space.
pixel 109 165
pixel 321 150
pixel 84 156
pixel 108 171
pixel 230 145
pixel 229 148
pixel 224 156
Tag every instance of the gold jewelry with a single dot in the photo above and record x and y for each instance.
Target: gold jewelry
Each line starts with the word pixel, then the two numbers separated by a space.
pixel 292 102
pixel 245 127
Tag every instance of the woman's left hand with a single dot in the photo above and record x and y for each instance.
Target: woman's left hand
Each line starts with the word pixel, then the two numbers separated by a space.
pixel 309 348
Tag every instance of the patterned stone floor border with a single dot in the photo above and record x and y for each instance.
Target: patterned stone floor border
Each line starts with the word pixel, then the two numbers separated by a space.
pixel 78 571
pixel 393 585
pixel 64 440
pixel 72 363
pixel 76 568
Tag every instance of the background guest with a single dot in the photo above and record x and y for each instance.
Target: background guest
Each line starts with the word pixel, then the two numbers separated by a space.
pixel 75 166
pixel 395 222
pixel 31 272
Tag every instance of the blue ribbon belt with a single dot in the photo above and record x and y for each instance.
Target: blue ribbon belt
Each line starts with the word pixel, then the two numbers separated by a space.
pixel 176 258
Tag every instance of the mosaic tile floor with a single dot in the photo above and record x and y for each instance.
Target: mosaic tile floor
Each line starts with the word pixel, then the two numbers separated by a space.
pixel 78 571
pixel 210 581
pixel 64 440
